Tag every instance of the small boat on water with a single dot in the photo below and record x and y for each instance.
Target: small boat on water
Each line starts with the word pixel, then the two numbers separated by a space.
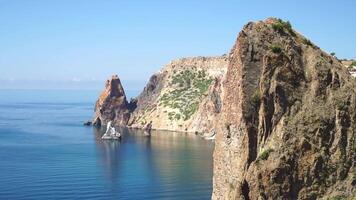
pixel 111 133
pixel 210 137
pixel 147 129
pixel 146 133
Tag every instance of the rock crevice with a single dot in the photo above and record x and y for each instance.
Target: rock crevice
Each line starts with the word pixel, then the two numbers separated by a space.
pixel 289 115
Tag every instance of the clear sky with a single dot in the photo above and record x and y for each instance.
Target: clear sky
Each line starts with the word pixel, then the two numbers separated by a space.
pixel 45 43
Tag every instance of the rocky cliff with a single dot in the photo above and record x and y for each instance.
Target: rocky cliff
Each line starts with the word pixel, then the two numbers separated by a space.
pixel 288 120
pixel 284 112
pixel 183 96
pixel 112 104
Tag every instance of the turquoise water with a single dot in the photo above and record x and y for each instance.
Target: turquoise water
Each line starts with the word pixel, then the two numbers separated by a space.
pixel 46 153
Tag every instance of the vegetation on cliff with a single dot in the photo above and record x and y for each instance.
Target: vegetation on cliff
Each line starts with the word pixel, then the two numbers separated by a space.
pixel 353 64
pixel 289 111
pixel 188 87
pixel 183 96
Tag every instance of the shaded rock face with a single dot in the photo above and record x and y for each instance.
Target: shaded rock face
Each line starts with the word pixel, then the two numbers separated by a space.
pixel 112 104
pixel 288 121
pixel 183 96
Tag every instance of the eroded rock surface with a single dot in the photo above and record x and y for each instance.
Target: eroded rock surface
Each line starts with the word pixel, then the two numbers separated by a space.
pixel 183 96
pixel 112 104
pixel 288 119
pixel 284 112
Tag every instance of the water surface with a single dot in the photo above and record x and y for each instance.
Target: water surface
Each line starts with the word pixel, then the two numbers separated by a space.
pixel 46 153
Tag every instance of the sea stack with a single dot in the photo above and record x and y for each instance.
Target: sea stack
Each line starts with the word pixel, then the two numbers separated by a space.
pixel 112 104
pixel 288 119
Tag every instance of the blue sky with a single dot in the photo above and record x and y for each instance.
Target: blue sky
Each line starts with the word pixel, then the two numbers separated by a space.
pixel 73 42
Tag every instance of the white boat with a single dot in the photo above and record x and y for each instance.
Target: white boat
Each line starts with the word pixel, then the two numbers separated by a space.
pixel 111 133
pixel 146 133
pixel 147 129
pixel 210 137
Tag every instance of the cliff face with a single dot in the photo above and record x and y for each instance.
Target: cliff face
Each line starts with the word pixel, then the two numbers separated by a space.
pixel 112 104
pixel 183 96
pixel 288 119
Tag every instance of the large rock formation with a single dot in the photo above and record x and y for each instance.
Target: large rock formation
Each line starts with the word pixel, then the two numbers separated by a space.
pixel 112 104
pixel 284 112
pixel 288 119
pixel 183 96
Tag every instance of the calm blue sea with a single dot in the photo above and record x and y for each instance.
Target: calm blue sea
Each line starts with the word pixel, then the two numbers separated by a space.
pixel 46 153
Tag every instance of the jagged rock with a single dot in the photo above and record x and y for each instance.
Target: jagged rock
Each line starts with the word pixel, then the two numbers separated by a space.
pixel 87 123
pixel 288 120
pixel 183 96
pixel 112 104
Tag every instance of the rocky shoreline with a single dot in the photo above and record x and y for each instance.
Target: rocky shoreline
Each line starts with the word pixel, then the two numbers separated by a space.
pixel 283 111
pixel 184 96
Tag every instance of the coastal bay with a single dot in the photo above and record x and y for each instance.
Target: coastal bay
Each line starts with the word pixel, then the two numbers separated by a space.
pixel 46 153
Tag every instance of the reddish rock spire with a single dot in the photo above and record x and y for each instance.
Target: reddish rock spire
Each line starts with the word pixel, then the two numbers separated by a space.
pixel 112 104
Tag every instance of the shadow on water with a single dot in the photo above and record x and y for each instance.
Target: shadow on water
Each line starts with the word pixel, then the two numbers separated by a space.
pixel 108 151
pixel 158 166
pixel 112 155
pixel 46 153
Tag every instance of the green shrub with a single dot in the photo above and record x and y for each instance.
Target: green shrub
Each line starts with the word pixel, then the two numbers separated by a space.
pixel 283 27
pixel 256 99
pixel 265 154
pixel 333 53
pixel 278 27
pixel 307 42
pixel 341 104
pixel 353 64
pixel 338 197
pixel 190 110
pixel 177 117
pixel 189 86
pixel 276 49
pixel 288 25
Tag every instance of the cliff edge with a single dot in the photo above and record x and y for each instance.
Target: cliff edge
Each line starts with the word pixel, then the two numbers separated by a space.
pixel 288 119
